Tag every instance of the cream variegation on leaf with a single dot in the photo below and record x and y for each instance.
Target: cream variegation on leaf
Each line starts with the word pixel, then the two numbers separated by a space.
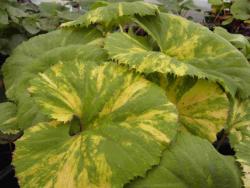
pixel 118 121
pixel 239 135
pixel 101 106
pixel 186 48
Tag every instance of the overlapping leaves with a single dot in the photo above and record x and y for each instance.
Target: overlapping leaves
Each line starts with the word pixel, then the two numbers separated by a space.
pixel 29 59
pixel 202 105
pixel 103 124
pixel 186 48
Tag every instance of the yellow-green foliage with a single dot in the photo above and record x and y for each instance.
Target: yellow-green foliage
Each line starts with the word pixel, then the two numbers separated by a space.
pixel 102 106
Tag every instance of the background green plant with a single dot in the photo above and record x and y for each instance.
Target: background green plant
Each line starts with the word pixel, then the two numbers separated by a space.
pixel 22 20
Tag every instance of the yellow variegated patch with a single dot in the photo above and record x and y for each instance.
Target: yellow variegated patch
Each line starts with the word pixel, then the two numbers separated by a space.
pixel 38 54
pixel 25 58
pixel 202 105
pixel 113 13
pixel 135 52
pixel 239 135
pixel 185 48
pixel 118 121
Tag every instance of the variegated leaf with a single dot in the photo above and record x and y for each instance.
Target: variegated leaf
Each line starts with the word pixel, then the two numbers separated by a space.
pixel 26 54
pixel 120 123
pixel 138 54
pixel 37 55
pixel 113 13
pixel 9 131
pixel 239 134
pixel 28 113
pixel 186 48
pixel 202 105
pixel 191 162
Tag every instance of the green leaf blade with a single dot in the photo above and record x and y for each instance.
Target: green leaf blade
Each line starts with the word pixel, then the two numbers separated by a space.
pixel 126 123
pixel 9 130
pixel 189 49
pixel 192 162
pixel 239 135
pixel 202 105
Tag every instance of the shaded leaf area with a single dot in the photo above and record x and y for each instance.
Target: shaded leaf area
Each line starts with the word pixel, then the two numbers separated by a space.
pixel 9 131
pixel 29 59
pixel 187 163
pixel 184 48
pixel 120 121
pixel 239 135
pixel 112 14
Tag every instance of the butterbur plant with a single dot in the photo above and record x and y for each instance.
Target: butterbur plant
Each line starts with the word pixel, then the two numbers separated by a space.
pixel 100 105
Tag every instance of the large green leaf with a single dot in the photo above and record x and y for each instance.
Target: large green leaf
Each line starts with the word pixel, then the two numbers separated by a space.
pixel 25 54
pixel 192 162
pixel 28 113
pixel 239 134
pixel 111 13
pixel 120 123
pixel 186 48
pixel 37 55
pixel 9 131
pixel 202 105
pixel 241 9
